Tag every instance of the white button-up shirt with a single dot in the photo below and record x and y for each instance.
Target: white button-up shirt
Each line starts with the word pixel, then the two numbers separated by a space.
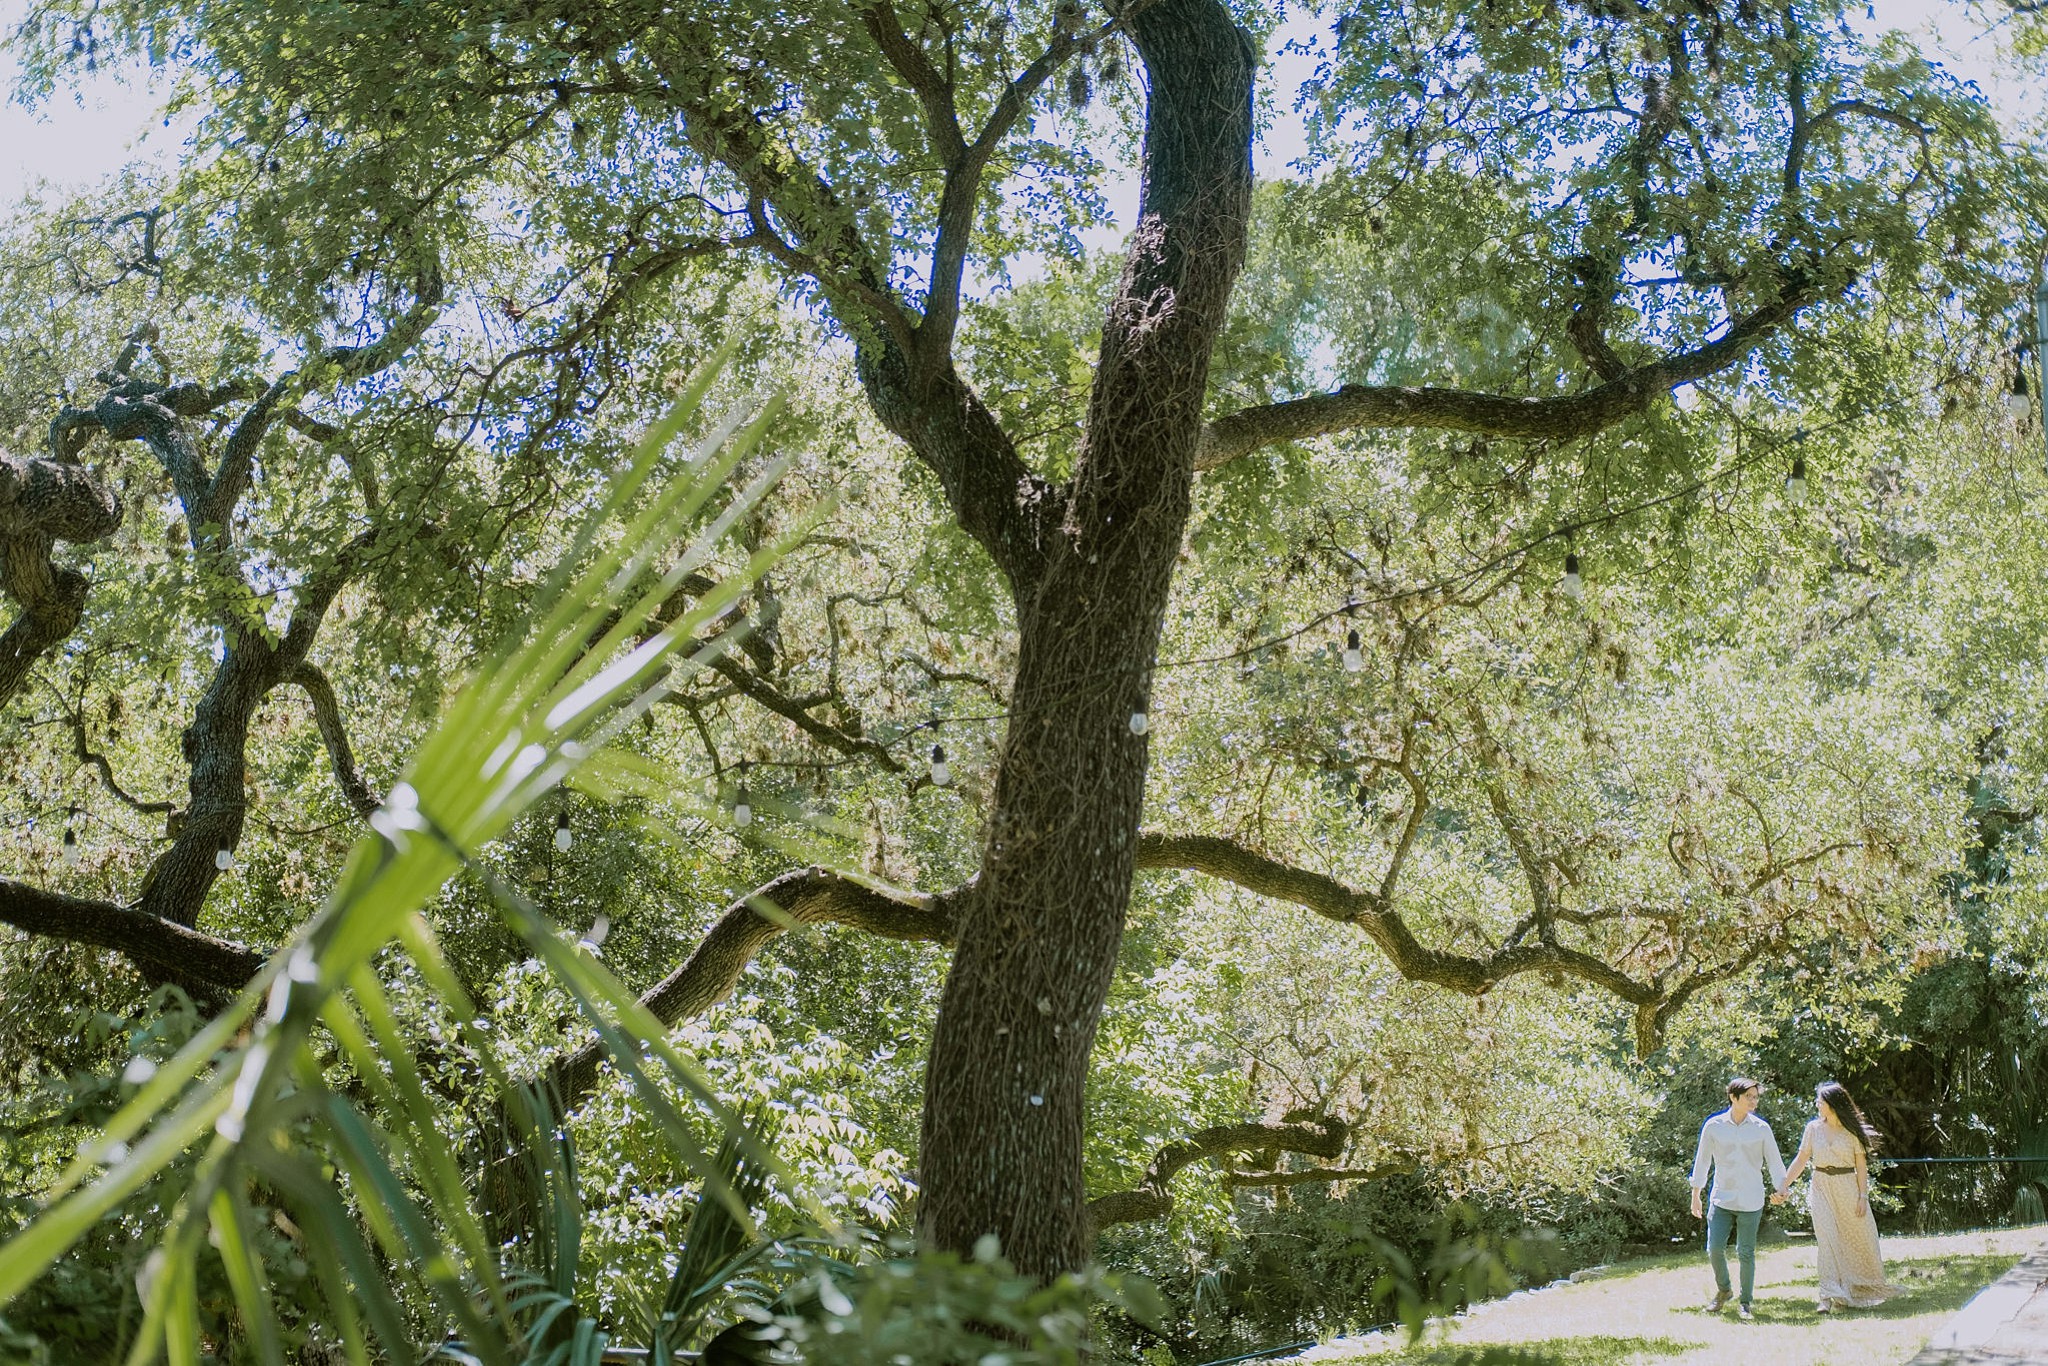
pixel 1738 1154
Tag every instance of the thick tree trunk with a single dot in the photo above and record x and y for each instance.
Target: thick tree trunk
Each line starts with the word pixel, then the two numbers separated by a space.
pixel 216 746
pixel 1002 1142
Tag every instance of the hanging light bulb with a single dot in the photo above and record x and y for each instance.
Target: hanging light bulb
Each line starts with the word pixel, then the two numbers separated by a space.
pixel 1140 723
pixel 563 839
pixel 1354 658
pixel 223 858
pixel 742 809
pixel 70 847
pixel 941 775
pixel 1795 483
pixel 1574 586
pixel 2016 401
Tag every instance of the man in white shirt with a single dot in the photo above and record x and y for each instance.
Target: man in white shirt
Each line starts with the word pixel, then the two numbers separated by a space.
pixel 1737 1144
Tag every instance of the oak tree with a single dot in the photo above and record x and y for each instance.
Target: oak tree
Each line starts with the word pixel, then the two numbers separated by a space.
pixel 1594 204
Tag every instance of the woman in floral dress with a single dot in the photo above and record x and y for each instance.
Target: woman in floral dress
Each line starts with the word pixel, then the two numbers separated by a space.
pixel 1838 1145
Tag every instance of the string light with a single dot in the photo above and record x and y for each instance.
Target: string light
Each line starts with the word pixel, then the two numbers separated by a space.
pixel 223 858
pixel 563 837
pixel 742 809
pixel 1574 586
pixel 70 847
pixel 2017 402
pixel 941 775
pixel 1354 658
pixel 1795 483
pixel 1140 723
pixel 593 938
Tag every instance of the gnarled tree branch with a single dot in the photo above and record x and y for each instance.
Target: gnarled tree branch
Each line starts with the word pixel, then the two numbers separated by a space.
pixel 1372 913
pixel 1152 1198
pixel 1315 1176
pixel 43 502
pixel 803 896
pixel 934 92
pixel 161 951
pixel 1357 406
pixel 251 665
pixel 57 499
pixel 355 788
pixel 1587 327
pixel 52 600
pixel 345 363
pixel 966 163
pixel 318 592
pixel 904 359
pixel 81 744
pixel 795 711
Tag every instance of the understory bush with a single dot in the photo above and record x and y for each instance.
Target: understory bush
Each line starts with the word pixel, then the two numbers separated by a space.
pixel 1323 1261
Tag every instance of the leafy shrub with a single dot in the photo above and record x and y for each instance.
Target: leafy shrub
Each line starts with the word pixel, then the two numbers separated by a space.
pixel 910 1310
pixel 1324 1262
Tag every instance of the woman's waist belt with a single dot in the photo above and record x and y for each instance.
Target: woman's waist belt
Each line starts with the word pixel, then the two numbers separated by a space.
pixel 1834 1171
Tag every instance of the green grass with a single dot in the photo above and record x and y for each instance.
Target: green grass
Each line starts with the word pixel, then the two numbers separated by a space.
pixel 1652 1313
pixel 1936 1285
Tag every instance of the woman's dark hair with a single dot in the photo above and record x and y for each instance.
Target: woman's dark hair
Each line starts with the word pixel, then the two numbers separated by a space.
pixel 1835 1096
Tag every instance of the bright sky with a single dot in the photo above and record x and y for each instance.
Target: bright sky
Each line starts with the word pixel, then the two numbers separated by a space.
pixel 88 133
pixel 77 139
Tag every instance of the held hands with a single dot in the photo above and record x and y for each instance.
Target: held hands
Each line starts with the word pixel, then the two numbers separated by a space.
pixel 1778 1196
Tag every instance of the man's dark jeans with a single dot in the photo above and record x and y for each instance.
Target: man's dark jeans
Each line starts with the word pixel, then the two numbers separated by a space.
pixel 1744 1222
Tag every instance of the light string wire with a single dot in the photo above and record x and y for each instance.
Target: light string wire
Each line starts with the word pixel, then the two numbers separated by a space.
pixel 1759 453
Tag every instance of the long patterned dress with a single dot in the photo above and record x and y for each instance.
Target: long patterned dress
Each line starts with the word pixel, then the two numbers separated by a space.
pixel 1851 1269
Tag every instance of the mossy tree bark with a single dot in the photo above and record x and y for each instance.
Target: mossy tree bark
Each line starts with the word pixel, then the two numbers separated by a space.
pixel 1038 938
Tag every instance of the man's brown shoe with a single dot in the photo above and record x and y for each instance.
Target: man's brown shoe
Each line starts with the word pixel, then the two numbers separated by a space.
pixel 1718 1303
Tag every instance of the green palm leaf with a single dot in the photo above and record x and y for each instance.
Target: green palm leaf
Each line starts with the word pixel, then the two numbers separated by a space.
pixel 397 1246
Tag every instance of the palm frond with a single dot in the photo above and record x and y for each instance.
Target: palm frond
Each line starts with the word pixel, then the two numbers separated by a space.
pixel 399 1250
pixel 719 1242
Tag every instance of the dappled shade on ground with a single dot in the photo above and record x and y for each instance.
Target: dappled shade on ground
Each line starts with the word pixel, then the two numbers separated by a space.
pixel 1933 1285
pixel 1652 1313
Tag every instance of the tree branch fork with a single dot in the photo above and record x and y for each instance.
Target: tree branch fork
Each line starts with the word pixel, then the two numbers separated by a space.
pixel 56 497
